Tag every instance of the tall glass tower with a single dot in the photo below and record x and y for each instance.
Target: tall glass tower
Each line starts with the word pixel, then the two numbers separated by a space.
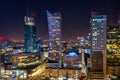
pixel 29 34
pixel 98 29
pixel 98 42
pixel 54 28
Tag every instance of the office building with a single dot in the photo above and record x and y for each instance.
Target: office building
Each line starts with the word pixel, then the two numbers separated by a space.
pixel 29 34
pixel 98 44
pixel 98 31
pixel 54 28
pixel 113 50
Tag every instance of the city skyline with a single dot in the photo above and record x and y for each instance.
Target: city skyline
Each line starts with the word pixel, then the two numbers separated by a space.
pixel 75 15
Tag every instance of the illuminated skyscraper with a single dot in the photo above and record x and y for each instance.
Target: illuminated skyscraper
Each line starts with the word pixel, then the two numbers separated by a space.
pixel 54 28
pixel 29 34
pixel 113 50
pixel 98 41
pixel 98 29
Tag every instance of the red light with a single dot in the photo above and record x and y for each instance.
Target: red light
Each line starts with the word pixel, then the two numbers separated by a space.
pixel 2 38
pixel 33 14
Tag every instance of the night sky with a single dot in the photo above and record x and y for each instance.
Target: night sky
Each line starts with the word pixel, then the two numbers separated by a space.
pixel 75 16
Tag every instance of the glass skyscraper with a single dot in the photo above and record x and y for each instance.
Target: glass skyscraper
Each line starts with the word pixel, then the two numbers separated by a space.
pixel 29 34
pixel 98 43
pixel 54 28
pixel 98 29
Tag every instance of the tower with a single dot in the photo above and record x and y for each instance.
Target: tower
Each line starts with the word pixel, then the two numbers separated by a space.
pixel 54 28
pixel 113 50
pixel 29 34
pixel 98 43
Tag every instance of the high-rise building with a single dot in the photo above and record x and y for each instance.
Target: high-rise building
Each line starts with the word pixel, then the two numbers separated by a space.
pixel 98 42
pixel 54 28
pixel 29 34
pixel 98 32
pixel 113 50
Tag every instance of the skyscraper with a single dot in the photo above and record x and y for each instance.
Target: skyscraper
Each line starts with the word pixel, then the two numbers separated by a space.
pixel 113 50
pixel 29 34
pixel 54 28
pixel 98 31
pixel 98 42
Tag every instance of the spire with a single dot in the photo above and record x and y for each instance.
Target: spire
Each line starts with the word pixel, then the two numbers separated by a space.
pixel 28 9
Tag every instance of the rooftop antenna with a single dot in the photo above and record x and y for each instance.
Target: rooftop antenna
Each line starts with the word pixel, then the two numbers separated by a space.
pixel 28 8
pixel 29 11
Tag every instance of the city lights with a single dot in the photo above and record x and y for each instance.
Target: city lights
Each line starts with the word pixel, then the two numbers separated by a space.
pixel 60 40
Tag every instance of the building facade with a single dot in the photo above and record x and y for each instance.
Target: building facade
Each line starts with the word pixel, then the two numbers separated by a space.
pixel 29 34
pixel 98 32
pixel 54 28
pixel 98 42
pixel 113 50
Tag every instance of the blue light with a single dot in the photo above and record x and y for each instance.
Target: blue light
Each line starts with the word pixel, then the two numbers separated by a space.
pixel 72 54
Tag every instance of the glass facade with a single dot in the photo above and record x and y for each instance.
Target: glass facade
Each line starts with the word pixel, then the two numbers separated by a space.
pixel 113 50
pixel 29 34
pixel 54 28
pixel 98 29
pixel 98 43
